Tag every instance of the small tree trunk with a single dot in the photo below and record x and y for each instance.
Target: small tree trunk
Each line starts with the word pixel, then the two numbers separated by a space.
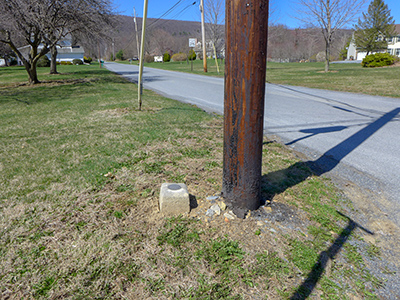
pixel 53 60
pixel 328 55
pixel 32 73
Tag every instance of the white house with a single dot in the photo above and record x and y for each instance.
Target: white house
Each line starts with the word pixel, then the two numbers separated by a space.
pixel 393 47
pixel 2 62
pixel 66 52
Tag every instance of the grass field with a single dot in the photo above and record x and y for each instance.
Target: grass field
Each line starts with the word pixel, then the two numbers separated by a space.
pixel 343 77
pixel 80 173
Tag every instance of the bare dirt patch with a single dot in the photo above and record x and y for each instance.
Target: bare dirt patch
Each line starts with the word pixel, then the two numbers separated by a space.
pixel 50 83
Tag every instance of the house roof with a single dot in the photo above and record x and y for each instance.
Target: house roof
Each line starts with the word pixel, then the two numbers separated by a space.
pixel 74 49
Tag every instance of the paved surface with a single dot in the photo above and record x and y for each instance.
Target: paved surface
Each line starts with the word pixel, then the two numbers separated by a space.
pixel 351 135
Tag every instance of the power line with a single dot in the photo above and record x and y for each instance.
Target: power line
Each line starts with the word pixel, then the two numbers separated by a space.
pixel 183 10
pixel 175 16
pixel 166 13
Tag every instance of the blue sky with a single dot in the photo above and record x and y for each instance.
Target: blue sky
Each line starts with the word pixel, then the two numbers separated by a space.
pixel 184 10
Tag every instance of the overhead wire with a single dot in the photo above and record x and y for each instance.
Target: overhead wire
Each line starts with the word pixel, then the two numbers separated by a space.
pixel 175 16
pixel 170 11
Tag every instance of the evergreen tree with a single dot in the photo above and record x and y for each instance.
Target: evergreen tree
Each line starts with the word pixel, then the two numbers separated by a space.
pixel 374 28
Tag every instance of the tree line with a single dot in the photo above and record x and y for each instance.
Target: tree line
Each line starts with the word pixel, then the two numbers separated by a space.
pixel 92 23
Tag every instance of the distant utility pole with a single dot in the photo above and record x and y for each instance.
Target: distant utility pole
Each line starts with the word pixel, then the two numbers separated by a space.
pixel 137 36
pixel 245 70
pixel 113 46
pixel 140 85
pixel 203 36
pixel 98 45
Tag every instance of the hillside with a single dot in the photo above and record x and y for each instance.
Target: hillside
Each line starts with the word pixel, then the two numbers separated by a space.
pixel 285 44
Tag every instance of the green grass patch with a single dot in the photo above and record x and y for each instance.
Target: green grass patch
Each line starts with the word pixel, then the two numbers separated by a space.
pixel 342 77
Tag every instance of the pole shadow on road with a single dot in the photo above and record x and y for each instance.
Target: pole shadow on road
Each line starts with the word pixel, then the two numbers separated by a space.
pixel 315 131
pixel 277 182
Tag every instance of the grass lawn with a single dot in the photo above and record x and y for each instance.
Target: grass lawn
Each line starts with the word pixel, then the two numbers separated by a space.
pixel 80 173
pixel 343 77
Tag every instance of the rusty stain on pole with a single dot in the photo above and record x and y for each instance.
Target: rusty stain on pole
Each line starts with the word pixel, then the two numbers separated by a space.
pixel 245 70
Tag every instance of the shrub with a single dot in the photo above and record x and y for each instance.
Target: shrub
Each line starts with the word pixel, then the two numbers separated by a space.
pixel 166 57
pixel 87 60
pixel 120 55
pixel 378 60
pixel 192 55
pixel 77 61
pixel 43 61
pixel 13 62
pixel 149 58
pixel 179 57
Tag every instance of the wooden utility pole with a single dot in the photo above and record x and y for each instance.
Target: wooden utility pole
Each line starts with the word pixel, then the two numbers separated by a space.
pixel 140 84
pixel 245 70
pixel 203 36
pixel 137 36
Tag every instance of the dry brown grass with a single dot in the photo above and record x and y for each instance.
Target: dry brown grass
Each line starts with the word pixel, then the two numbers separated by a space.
pixel 80 181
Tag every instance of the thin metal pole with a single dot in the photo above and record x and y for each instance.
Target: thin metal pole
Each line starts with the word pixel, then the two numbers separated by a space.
pixel 245 71
pixel 203 36
pixel 140 85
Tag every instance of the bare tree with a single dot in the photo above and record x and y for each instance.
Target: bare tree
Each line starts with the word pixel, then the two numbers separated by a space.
pixel 42 24
pixel 162 41
pixel 329 16
pixel 215 17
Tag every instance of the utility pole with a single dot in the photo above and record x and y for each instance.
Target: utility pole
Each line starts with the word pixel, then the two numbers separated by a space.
pixel 98 45
pixel 140 84
pixel 137 36
pixel 203 36
pixel 245 71
pixel 113 46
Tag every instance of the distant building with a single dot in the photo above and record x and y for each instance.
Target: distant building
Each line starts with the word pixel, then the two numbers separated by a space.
pixel 393 47
pixel 66 52
pixel 209 50
pixel 3 62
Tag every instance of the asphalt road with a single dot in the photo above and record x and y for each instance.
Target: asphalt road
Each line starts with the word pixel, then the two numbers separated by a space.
pixel 353 136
